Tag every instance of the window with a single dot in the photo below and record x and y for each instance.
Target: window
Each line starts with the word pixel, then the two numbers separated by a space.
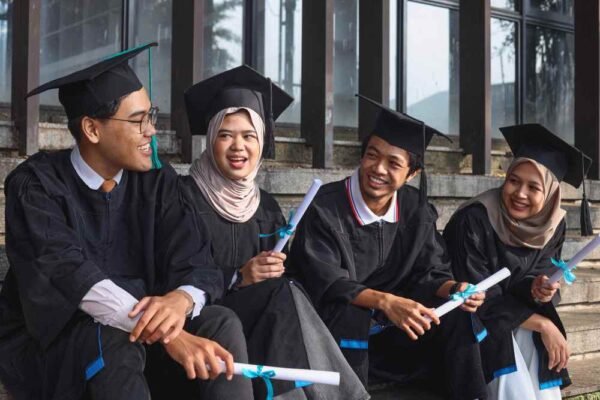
pixel 549 72
pixel 432 65
pixel 5 49
pixel 151 22
pixel 533 65
pixel 279 50
pixel 223 33
pixel 503 74
pixel 345 63
pixel 75 34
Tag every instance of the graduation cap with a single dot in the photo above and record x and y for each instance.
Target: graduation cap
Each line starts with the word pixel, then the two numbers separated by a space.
pixel 85 91
pixel 237 87
pixel 567 163
pixel 402 130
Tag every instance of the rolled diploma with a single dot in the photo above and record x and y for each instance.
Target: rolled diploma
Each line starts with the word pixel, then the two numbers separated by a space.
pixel 480 287
pixel 577 258
pixel 290 374
pixel 299 212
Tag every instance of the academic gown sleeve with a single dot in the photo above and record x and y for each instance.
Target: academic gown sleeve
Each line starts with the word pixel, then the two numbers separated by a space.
pixel 183 246
pixel 318 256
pixel 46 257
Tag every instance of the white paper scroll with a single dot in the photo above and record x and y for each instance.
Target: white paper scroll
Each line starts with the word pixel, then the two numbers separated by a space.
pixel 576 259
pixel 480 287
pixel 290 374
pixel 299 212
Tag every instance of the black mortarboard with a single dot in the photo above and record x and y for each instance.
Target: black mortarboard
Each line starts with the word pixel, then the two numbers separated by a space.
pixel 566 162
pixel 237 87
pixel 83 92
pixel 534 141
pixel 402 130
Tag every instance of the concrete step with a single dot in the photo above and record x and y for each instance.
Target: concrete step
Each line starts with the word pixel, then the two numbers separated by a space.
pixel 585 375
pixel 583 328
pixel 289 148
pixel 584 291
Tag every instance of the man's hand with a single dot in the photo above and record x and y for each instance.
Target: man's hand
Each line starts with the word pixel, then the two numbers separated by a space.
pixel 541 290
pixel 163 318
pixel 268 264
pixel 556 346
pixel 199 356
pixel 473 302
pixel 408 315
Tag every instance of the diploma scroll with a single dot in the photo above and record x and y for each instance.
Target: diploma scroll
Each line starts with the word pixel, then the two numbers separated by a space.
pixel 480 287
pixel 576 259
pixel 293 223
pixel 289 374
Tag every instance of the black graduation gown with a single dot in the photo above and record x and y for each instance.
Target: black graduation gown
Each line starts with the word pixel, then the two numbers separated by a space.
pixel 477 253
pixel 335 259
pixel 266 309
pixel 61 239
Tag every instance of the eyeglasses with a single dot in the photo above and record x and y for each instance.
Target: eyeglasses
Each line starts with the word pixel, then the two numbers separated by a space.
pixel 148 119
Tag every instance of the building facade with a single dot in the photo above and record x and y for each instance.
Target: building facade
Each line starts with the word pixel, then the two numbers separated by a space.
pixel 466 67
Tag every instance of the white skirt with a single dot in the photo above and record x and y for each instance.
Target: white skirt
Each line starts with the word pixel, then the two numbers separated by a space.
pixel 523 384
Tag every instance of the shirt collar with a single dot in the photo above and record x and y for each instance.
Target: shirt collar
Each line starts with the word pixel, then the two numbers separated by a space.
pixel 362 213
pixel 87 174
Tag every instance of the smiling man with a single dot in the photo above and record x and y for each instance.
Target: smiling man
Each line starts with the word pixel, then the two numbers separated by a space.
pixel 106 262
pixel 369 254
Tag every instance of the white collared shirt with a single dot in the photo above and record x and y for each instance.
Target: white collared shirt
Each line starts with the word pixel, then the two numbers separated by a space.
pixel 107 302
pixel 362 212
pixel 87 174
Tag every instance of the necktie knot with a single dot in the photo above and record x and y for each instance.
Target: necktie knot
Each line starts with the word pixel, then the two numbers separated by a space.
pixel 108 185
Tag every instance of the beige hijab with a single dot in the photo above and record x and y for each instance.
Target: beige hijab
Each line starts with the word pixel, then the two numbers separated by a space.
pixel 234 200
pixel 534 232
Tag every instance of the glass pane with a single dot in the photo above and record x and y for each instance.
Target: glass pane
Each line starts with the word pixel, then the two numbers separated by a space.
pixel 550 70
pixel 222 35
pixel 506 4
pixel 279 50
pixel 345 63
pixel 557 7
pixel 151 22
pixel 393 54
pixel 74 35
pixel 503 71
pixel 5 49
pixel 432 66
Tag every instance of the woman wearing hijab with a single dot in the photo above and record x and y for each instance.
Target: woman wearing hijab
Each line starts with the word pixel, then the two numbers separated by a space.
pixel 521 226
pixel 236 110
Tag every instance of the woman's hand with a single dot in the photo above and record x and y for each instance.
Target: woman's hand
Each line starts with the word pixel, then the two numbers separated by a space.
pixel 472 303
pixel 408 315
pixel 541 290
pixel 266 265
pixel 556 346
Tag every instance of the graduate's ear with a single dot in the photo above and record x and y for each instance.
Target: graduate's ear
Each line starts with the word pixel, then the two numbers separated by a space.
pixel 89 130
pixel 412 175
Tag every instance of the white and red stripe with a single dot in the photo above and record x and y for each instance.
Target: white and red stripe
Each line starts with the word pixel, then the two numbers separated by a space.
pixel 360 210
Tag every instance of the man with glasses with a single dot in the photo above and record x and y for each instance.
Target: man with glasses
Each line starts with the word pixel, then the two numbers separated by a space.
pixel 106 266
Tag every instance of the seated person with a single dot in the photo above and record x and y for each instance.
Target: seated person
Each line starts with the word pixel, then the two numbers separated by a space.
pixel 520 226
pixel 105 261
pixel 368 249
pixel 235 109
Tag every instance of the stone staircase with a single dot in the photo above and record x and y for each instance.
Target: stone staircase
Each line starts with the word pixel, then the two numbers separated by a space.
pixel 289 177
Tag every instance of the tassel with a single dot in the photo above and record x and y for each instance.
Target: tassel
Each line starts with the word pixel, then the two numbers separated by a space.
pixel 156 164
pixel 423 181
pixel 269 146
pixel 423 187
pixel 585 217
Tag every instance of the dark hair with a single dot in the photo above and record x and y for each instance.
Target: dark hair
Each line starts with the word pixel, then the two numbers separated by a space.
pixel 107 110
pixel 415 161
